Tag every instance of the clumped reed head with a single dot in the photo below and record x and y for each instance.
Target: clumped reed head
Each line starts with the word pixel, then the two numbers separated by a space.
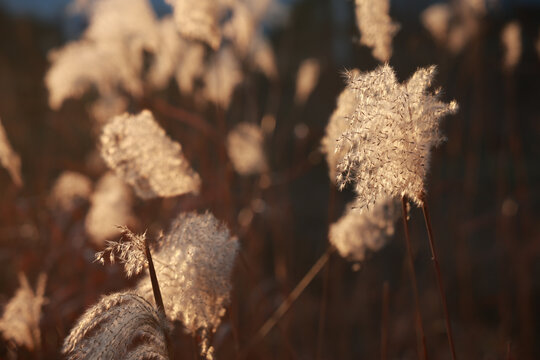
pixel 245 149
pixel 198 20
pixel 357 232
pixel 140 152
pixel 20 320
pixel 376 27
pixel 120 326
pixel 69 191
pixel 222 76
pixel 9 158
pixel 306 80
pixel 129 250
pixel 193 264
pixel 337 125
pixel 511 41
pixel 110 206
pixel 390 135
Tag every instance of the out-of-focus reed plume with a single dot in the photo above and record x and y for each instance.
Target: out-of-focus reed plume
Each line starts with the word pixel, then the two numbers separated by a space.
pixel 20 320
pixel 511 42
pixel 356 232
pixel 110 54
pixel 453 25
pixel 70 190
pixel 390 135
pixel 129 250
pixel 376 27
pixel 9 159
pixel 110 207
pixel 245 146
pixel 198 20
pixel 222 76
pixel 142 154
pixel 121 326
pixel 436 19
pixel 193 263
pixel 306 80
pixel 337 125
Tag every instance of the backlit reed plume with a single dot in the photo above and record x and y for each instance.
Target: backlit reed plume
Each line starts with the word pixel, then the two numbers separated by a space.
pixel 337 125
pixel 107 107
pixel 129 250
pixel 20 320
pixel 376 27
pixel 110 206
pixel 198 20
pixel 356 232
pixel 193 263
pixel 306 80
pixel 9 158
pixel 511 41
pixel 110 54
pixel 222 76
pixel 245 146
pixel 436 19
pixel 70 190
pixel 453 25
pixel 120 326
pixel 390 135
pixel 141 153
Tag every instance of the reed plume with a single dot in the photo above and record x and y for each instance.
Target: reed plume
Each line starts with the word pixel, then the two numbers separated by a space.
pixel 110 206
pixel 141 153
pixel 70 190
pixel 356 232
pixel 20 320
pixel 128 250
pixel 376 27
pixel 390 135
pixel 193 263
pixel 245 149
pixel 9 158
pixel 511 41
pixel 120 326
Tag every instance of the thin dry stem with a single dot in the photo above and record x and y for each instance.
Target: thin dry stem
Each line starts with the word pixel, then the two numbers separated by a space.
pixel 412 273
pixel 442 294
pixel 287 303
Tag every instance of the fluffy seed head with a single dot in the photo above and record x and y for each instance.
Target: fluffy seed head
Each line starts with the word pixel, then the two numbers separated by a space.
pixel 69 191
pixel 110 207
pixel 359 231
pixel 193 264
pixel 129 250
pixel 140 152
pixel 376 27
pixel 337 125
pixel 198 20
pixel 9 158
pixel 306 80
pixel 20 320
pixel 390 135
pixel 245 148
pixel 222 76
pixel 120 326
pixel 511 41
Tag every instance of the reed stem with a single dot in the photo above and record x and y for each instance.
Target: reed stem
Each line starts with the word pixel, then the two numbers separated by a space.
pixel 435 259
pixel 412 273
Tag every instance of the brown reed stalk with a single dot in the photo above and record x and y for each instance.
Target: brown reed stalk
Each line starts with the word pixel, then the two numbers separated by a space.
pixel 322 313
pixel 287 303
pixel 435 260
pixel 157 292
pixel 412 273
pixel 384 320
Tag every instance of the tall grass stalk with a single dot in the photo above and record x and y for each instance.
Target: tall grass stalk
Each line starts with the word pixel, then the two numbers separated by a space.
pixel 412 273
pixel 440 283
